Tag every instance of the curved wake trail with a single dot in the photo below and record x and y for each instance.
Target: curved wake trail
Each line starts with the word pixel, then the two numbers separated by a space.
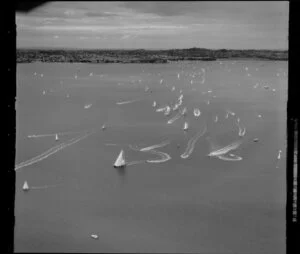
pixel 164 157
pixel 191 144
pixel 225 149
pixel 51 151
pixel 150 149
pixel 230 157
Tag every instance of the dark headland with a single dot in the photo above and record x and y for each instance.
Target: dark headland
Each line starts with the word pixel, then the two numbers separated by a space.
pixel 143 55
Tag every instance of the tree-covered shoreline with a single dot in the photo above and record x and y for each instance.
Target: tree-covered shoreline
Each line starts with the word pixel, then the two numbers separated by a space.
pixel 142 55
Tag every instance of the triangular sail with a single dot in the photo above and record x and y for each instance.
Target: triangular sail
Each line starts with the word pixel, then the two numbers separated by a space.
pixel 120 161
pixel 25 186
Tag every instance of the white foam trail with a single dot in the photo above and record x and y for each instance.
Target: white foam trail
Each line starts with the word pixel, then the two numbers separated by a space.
pixel 184 111
pixel 180 97
pixel 225 149
pixel 176 117
pixel 161 109
pixel 164 157
pixel 44 187
pixel 154 104
pixel 242 132
pixel 111 144
pixel 58 133
pixel 51 151
pixel 126 102
pixel 232 157
pixel 164 143
pixel 226 116
pixel 161 81
pixel 87 106
pixel 134 163
pixel 178 76
pixel 191 144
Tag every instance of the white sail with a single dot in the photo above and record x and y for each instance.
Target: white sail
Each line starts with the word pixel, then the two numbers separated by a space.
pixel 56 137
pixel 167 111
pixel 197 112
pixel 25 186
pixel 186 126
pixel 120 161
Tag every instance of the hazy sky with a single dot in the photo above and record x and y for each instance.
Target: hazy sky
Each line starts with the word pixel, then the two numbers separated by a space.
pixel 235 25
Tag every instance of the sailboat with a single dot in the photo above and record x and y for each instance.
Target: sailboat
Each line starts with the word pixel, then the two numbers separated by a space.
pixel 103 127
pixel 56 137
pixel 186 126
pixel 154 104
pixel 120 161
pixel 25 186
pixel 197 112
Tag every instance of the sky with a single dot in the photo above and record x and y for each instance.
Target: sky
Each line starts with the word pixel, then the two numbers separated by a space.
pixel 155 25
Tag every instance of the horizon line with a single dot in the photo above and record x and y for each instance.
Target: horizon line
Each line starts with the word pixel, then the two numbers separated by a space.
pixel 71 48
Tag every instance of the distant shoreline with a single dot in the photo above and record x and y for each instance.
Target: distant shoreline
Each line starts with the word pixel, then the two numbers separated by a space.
pixel 145 56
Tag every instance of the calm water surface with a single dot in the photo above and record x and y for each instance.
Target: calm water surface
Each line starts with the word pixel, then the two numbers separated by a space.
pixel 199 204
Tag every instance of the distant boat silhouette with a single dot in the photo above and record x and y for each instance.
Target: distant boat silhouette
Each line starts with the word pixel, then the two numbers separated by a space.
pixel 103 127
pixel 56 137
pixel 120 161
pixel 25 186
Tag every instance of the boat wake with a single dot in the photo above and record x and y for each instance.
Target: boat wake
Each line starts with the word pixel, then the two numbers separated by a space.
pixel 58 133
pixel 225 149
pixel 230 157
pixel 164 156
pixel 127 102
pixel 150 149
pixel 51 151
pixel 191 144
pixel 176 117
